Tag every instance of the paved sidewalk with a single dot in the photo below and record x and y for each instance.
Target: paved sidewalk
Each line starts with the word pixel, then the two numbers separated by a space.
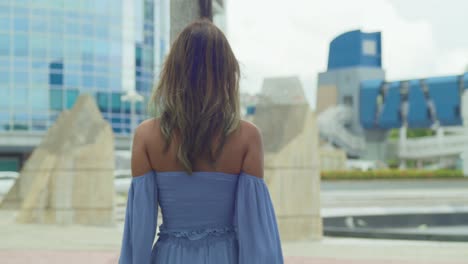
pixel 52 244
pixel 106 257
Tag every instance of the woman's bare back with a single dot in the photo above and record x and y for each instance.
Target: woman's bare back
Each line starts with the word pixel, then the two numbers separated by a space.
pixel 243 151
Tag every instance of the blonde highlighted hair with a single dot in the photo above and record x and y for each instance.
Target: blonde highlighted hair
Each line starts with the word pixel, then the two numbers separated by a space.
pixel 197 97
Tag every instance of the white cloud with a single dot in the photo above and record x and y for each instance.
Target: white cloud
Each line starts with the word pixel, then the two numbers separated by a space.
pixel 277 37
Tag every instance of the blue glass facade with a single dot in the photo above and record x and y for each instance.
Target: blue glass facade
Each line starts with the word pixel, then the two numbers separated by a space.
pixel 51 51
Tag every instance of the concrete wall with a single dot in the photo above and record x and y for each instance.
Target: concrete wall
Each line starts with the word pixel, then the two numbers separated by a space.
pixel 327 95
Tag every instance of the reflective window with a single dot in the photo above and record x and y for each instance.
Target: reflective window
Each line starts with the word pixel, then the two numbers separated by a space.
pixel 87 29
pixel 38 45
pixel 20 11
pixel 39 65
pixel 4 78
pixel 39 77
pixel 71 95
pixel 5 97
pixel 21 24
pixel 102 82
pixel 21 2
pixel 116 102
pixel 101 32
pixel 20 63
pixel 87 5
pixel 56 79
pixel 39 121
pixel 71 48
pixel 115 33
pixel 39 99
pixel 56 99
pixel 87 80
pixel 71 27
pixel 101 68
pixel 4 121
pixel 40 11
pixel 21 45
pixel 73 5
pixel 72 80
pixel 4 10
pixel 4 63
pixel 87 67
pixel 39 24
pixel 4 24
pixel 102 47
pixel 59 4
pixel 72 67
pixel 20 97
pixel 56 25
pixel 56 66
pixel 87 46
pixel 102 101
pixel 4 44
pixel 21 77
pixel 115 83
pixel 101 7
pixel 20 120
pixel 56 47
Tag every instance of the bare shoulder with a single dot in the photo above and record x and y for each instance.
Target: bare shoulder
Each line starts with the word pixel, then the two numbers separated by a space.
pixel 147 127
pixel 140 160
pixel 250 132
pixel 253 158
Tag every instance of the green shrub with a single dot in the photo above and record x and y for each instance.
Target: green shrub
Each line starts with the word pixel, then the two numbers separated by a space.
pixel 391 174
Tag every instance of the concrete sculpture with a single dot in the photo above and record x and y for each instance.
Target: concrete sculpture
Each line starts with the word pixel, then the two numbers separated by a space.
pixel 292 166
pixel 69 177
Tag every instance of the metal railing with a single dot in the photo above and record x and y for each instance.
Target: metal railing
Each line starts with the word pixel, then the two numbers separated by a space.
pixel 433 146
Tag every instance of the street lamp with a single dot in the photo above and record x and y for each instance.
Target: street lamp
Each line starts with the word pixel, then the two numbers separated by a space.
pixel 133 97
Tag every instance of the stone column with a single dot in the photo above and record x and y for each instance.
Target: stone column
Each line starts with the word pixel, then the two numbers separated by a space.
pixel 184 12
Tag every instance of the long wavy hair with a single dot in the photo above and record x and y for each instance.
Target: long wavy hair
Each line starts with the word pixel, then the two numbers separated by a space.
pixel 197 97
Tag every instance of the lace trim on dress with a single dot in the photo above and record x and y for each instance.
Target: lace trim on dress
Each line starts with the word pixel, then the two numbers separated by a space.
pixel 198 234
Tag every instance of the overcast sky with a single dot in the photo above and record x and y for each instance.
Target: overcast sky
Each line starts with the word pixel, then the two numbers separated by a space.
pixel 421 38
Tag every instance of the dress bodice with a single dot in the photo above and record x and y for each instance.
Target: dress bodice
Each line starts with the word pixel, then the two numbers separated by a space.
pixel 198 201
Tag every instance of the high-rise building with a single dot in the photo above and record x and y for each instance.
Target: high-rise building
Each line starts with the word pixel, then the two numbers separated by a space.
pixel 51 51
pixel 354 56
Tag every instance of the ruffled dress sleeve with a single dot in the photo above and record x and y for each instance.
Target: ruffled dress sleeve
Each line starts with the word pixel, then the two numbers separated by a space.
pixel 140 220
pixel 255 221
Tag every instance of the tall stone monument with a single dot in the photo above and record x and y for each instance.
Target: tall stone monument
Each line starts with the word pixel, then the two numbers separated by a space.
pixel 69 177
pixel 292 161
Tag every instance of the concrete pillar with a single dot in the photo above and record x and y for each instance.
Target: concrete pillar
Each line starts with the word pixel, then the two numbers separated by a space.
pixel 184 12
pixel 292 168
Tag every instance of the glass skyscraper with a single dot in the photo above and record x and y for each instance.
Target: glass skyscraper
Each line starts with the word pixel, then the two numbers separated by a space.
pixel 51 51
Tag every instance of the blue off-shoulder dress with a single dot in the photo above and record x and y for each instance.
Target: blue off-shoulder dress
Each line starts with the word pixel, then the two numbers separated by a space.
pixel 208 218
